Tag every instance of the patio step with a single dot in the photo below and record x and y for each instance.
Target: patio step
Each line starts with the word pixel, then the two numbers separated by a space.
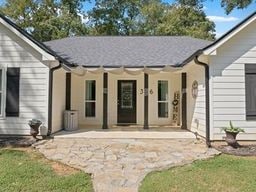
pixel 125 135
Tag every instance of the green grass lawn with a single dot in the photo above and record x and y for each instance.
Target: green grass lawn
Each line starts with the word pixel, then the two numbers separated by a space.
pixel 28 171
pixel 223 174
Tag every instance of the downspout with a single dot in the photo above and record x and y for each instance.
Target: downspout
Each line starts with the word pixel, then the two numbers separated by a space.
pixel 50 98
pixel 207 98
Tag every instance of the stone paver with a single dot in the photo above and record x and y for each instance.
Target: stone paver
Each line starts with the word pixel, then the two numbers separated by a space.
pixel 119 165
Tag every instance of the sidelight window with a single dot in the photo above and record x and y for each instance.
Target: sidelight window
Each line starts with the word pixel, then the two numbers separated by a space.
pixel 163 99
pixel 90 98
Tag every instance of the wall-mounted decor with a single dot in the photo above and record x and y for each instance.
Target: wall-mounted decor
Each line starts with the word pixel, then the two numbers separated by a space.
pixel 176 109
pixel 194 89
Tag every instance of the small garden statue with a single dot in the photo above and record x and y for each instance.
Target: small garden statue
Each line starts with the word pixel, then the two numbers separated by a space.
pixel 34 127
pixel 231 133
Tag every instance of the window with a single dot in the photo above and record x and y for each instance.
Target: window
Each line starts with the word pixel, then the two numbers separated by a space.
pixel 163 99
pixel 250 91
pixel 12 92
pixel 126 95
pixel 90 98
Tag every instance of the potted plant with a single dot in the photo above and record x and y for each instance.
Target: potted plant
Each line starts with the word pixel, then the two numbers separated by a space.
pixel 231 133
pixel 34 127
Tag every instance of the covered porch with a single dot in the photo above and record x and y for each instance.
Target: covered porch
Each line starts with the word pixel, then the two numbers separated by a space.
pixel 141 83
pixel 128 99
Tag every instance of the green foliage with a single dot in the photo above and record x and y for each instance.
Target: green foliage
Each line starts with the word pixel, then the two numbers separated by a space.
pixel 230 5
pixel 54 19
pixel 222 173
pixel 20 11
pixel 192 3
pixel 20 171
pixel 46 19
pixel 232 129
pixel 117 17
pixel 187 21
pixel 150 17
pixel 73 5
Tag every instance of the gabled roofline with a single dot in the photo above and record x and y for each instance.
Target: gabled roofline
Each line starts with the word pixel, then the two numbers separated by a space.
pixel 49 52
pixel 210 48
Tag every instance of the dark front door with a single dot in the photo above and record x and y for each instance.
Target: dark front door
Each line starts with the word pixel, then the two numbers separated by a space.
pixel 126 104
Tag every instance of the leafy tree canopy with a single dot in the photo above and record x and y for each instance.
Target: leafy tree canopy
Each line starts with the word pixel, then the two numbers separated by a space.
pixel 150 17
pixel 46 19
pixel 55 19
pixel 186 21
pixel 230 5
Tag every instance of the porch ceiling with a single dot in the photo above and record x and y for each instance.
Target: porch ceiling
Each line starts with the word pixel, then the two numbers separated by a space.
pixel 80 70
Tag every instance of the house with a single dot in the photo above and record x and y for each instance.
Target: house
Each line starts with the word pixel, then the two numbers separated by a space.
pixel 143 81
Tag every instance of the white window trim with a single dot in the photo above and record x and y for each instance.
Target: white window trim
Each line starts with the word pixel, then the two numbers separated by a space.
pixel 167 101
pixel 88 101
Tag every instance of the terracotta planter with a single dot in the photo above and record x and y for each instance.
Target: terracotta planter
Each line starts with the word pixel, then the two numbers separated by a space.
pixel 231 139
pixel 34 129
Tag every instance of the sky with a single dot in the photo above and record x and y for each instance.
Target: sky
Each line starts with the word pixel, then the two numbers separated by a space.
pixel 214 12
pixel 224 22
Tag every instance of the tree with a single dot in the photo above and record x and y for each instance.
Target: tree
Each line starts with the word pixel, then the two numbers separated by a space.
pixel 191 3
pixel 73 5
pixel 46 19
pixel 57 22
pixel 54 19
pixel 116 17
pixel 229 5
pixel 20 11
pixel 151 16
pixel 187 21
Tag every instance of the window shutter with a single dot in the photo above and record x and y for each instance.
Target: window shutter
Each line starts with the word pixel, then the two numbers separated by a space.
pixel 250 87
pixel 12 92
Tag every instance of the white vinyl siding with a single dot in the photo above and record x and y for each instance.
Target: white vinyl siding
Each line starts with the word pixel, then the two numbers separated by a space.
pixel 196 119
pixel 14 52
pixel 228 83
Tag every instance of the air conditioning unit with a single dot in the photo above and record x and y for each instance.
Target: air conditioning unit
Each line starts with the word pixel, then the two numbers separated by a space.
pixel 70 120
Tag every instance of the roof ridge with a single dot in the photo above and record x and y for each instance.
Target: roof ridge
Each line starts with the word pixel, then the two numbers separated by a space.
pixel 126 37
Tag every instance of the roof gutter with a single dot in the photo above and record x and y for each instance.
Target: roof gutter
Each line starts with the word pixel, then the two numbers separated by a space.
pixel 207 98
pixel 50 98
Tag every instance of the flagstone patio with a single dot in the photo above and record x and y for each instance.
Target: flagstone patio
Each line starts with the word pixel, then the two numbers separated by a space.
pixel 119 165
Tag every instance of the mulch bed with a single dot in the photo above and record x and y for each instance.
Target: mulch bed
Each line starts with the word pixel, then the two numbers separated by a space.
pixel 16 141
pixel 243 150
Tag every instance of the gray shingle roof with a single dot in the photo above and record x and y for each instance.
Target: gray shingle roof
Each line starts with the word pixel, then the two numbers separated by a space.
pixel 132 51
